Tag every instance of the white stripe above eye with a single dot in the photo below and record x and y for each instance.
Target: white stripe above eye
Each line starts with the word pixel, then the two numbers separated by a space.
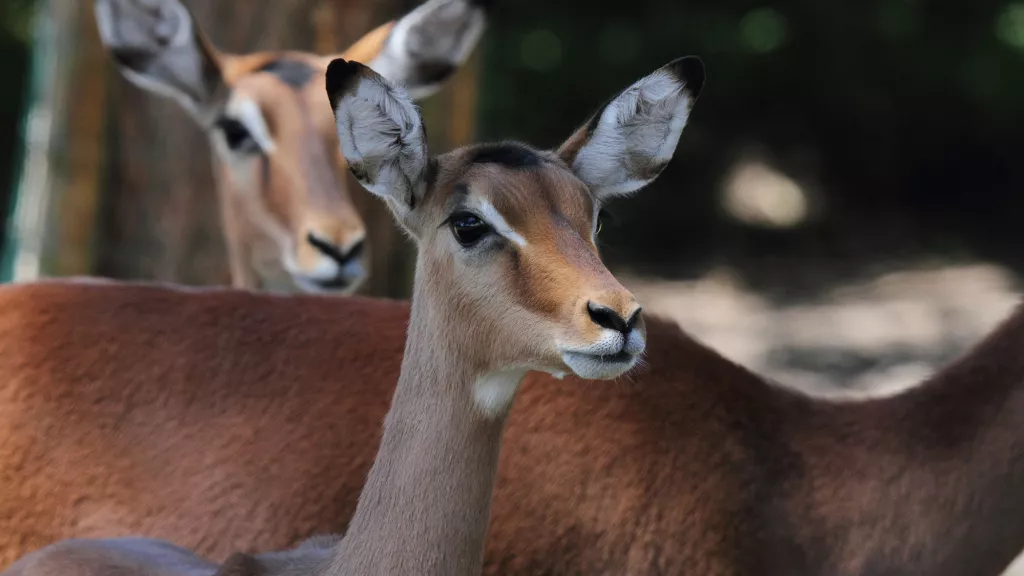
pixel 489 213
pixel 246 111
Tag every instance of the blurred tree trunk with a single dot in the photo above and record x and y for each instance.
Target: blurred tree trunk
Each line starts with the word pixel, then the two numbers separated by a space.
pixel 54 215
pixel 77 211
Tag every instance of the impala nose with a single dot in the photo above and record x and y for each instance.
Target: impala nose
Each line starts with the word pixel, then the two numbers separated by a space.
pixel 334 253
pixel 606 317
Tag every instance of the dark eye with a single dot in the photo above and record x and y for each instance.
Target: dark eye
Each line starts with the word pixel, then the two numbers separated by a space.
pixel 237 135
pixel 468 228
pixel 601 216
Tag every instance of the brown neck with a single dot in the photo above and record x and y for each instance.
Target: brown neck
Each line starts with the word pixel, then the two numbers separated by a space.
pixel 426 503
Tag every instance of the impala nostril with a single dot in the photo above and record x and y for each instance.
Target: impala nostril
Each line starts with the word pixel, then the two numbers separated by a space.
pixel 605 317
pixel 631 323
pixel 332 251
pixel 355 251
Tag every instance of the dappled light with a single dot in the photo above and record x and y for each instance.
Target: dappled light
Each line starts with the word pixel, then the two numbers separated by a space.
pixel 756 194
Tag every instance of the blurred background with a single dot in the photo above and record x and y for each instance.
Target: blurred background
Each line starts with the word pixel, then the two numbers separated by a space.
pixel 842 212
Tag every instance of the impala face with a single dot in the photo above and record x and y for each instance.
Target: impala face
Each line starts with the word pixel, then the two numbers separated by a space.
pixel 506 232
pixel 280 175
pixel 277 145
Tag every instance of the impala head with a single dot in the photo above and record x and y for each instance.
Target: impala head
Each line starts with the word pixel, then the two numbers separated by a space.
pixel 506 232
pixel 266 118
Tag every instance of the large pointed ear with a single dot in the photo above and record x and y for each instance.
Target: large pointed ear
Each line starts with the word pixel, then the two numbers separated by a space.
pixel 627 144
pixel 424 48
pixel 381 135
pixel 158 47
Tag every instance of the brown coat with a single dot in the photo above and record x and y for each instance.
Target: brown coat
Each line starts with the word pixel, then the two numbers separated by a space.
pixel 264 435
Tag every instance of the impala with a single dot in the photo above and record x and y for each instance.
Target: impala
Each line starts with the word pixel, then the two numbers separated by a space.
pixel 280 179
pixel 508 280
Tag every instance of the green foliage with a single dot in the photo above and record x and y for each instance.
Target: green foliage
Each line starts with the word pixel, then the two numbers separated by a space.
pixel 16 18
pixel 763 30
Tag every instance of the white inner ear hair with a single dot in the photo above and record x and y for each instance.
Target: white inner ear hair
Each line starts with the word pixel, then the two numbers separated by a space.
pixel 437 31
pixel 382 138
pixel 169 37
pixel 138 29
pixel 635 136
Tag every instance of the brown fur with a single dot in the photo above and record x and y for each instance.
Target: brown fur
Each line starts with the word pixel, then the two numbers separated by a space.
pixel 268 409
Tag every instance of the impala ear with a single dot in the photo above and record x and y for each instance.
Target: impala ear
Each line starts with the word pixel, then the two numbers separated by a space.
pixel 627 144
pixel 158 47
pixel 424 48
pixel 381 135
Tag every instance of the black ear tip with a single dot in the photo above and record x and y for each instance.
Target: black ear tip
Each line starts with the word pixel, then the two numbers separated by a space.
pixel 340 74
pixel 689 69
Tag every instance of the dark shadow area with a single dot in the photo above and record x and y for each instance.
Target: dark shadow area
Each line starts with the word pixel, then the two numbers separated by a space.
pixel 14 65
pixel 896 122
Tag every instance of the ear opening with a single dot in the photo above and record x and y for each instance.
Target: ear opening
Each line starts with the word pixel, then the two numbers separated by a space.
pixel 631 139
pixel 424 48
pixel 381 134
pixel 158 46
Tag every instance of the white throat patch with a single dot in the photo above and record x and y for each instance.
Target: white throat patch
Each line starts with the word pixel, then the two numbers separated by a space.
pixel 494 392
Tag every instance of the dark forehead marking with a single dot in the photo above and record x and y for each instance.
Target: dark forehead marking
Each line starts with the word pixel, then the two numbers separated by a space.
pixel 292 72
pixel 508 154
pixel 460 191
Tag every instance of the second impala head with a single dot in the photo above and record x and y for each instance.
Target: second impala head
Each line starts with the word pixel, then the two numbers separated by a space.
pixel 278 165
pixel 280 174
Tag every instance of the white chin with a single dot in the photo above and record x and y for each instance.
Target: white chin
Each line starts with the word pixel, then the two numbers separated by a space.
pixel 594 367
pixel 340 285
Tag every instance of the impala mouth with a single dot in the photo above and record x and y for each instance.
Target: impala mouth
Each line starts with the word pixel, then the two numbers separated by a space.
pixel 344 281
pixel 599 366
pixel 330 276
pixel 609 357
pixel 338 283
pixel 617 358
